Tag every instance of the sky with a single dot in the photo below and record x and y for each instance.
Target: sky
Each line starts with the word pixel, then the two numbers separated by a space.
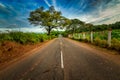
pixel 14 13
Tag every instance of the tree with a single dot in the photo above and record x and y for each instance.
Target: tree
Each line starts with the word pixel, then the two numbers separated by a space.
pixel 75 25
pixel 65 22
pixel 89 27
pixel 48 19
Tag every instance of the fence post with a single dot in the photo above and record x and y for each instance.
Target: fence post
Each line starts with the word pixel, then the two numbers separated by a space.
pixel 78 35
pixel 109 37
pixel 91 36
pixel 69 36
pixel 73 35
pixel 84 35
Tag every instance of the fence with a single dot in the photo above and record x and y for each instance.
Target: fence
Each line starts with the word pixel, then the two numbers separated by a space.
pixel 102 38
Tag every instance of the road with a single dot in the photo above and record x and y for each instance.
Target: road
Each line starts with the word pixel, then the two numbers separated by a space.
pixel 63 59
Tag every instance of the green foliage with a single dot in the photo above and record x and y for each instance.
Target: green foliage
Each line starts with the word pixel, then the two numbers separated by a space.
pixel 88 37
pixel 103 35
pixel 101 39
pixel 99 42
pixel 55 33
pixel 74 25
pixel 87 27
pixel 115 44
pixel 116 34
pixel 48 19
pixel 24 38
pixel 64 33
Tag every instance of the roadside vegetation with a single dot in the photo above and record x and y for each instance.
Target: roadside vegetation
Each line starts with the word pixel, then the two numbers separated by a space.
pixel 100 35
pixel 100 39
pixel 25 38
pixel 15 44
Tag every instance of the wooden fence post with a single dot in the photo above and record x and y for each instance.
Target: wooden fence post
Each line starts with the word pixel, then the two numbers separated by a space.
pixel 78 35
pixel 69 36
pixel 109 37
pixel 73 35
pixel 84 35
pixel 91 36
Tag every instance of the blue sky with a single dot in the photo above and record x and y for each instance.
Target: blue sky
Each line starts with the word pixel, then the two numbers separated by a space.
pixel 14 13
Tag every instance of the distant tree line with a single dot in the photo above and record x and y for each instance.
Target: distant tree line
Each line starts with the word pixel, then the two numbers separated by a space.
pixel 90 27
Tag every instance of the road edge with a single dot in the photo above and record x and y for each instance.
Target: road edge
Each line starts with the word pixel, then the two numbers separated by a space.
pixel 27 54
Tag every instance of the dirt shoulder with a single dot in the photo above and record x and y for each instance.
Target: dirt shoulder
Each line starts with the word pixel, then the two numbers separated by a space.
pixel 11 51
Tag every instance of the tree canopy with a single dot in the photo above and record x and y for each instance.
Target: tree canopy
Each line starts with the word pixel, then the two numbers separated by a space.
pixel 48 19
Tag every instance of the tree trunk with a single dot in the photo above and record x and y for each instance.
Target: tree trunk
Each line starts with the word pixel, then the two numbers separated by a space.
pixel 49 30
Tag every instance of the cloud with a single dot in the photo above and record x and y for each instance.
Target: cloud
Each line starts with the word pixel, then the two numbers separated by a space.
pixel 47 3
pixel 18 14
pixel 2 5
pixel 99 11
pixel 3 9
pixel 54 2
pixel 105 13
pixel 32 29
pixel 55 5
pixel 108 20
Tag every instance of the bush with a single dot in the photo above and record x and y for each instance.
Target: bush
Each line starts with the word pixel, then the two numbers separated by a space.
pixel 115 44
pixel 104 44
pixel 99 42
pixel 25 38
pixel 85 40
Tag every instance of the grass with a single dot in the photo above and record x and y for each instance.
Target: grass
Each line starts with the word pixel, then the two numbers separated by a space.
pixel 24 38
pixel 100 39
pixel 15 44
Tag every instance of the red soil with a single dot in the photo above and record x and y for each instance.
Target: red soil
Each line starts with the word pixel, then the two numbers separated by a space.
pixel 10 50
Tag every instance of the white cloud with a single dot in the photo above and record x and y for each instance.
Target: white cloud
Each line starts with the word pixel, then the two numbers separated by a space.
pixel 47 3
pixel 109 13
pixel 32 29
pixel 54 2
pixel 2 5
pixel 104 13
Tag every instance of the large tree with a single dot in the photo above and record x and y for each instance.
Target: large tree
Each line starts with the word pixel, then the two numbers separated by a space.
pixel 74 25
pixel 48 19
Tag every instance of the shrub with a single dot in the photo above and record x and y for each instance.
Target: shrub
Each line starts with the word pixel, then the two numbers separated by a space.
pixel 97 41
pixel 25 38
pixel 85 40
pixel 104 43
pixel 5 37
pixel 115 44
pixel 101 43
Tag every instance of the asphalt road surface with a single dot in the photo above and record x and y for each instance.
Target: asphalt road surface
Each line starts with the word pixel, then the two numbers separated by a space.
pixel 62 59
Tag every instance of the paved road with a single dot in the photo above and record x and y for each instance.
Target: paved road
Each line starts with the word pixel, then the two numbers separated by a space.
pixel 62 59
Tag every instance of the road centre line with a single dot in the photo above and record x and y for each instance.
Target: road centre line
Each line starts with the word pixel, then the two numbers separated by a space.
pixel 62 64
